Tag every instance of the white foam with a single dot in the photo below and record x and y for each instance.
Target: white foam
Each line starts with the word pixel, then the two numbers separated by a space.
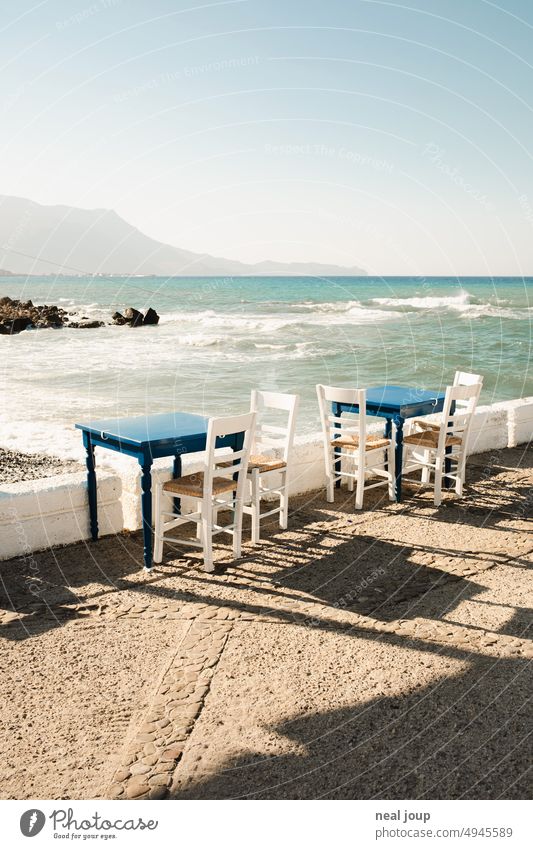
pixel 429 302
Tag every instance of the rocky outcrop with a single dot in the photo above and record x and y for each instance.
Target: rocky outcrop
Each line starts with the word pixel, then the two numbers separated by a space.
pixel 151 317
pixel 133 317
pixel 16 316
pixel 88 325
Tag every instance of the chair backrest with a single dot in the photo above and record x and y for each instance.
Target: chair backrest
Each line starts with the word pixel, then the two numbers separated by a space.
pixel 465 378
pixel 275 421
pixel 217 464
pixel 459 407
pixel 337 422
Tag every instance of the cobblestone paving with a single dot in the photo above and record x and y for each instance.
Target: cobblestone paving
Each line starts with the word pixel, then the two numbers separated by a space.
pixel 369 574
pixel 151 756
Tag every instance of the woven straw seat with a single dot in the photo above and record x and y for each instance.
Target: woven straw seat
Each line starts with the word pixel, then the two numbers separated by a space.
pixel 430 439
pixel 352 441
pixel 427 425
pixel 194 485
pixel 265 464
pixel 261 462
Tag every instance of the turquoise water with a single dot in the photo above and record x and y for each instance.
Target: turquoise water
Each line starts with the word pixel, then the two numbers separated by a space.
pixel 219 337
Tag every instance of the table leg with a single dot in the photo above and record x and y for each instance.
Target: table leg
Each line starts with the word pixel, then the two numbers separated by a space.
pixel 398 454
pixel 146 506
pixel 176 473
pixel 238 444
pixel 91 485
pixel 387 434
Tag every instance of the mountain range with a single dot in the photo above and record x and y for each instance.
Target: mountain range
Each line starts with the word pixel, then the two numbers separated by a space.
pixel 38 239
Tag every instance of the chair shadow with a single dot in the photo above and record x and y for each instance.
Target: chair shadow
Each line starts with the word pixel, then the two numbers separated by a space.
pixel 338 568
pixel 467 736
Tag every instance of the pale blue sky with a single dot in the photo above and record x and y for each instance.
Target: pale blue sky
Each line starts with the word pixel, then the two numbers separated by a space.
pixel 396 137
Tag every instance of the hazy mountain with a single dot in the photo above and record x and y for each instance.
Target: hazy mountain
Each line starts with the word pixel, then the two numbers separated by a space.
pixel 97 241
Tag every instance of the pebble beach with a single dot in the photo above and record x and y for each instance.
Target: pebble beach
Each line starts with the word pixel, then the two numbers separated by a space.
pixel 16 466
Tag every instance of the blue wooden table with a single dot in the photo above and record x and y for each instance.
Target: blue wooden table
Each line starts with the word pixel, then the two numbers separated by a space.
pixel 146 438
pixel 396 404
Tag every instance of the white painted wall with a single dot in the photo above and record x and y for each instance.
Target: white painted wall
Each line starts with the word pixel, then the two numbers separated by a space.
pixel 40 514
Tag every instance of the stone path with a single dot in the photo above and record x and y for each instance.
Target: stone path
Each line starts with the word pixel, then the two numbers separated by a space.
pixel 266 664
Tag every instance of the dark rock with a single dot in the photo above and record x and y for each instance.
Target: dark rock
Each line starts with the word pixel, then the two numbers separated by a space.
pixel 51 319
pixel 17 324
pixel 133 317
pixel 16 316
pixel 87 325
pixel 118 318
pixel 151 317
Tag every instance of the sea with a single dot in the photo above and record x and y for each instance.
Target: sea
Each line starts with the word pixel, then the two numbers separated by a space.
pixel 220 337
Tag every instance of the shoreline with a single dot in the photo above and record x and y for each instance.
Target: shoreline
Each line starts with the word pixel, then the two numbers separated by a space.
pixel 17 466
pixel 53 510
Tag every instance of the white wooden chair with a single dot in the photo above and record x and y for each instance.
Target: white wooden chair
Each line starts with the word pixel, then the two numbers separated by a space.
pixel 347 442
pixel 428 446
pixel 218 477
pixel 465 378
pixel 461 378
pixel 269 436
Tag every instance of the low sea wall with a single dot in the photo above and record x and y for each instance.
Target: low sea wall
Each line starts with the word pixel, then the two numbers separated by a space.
pixel 36 515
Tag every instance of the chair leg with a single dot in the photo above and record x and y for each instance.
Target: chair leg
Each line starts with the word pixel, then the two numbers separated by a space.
pixel 426 471
pixel 391 468
pixel 330 486
pixel 256 506
pixel 437 498
pixel 207 535
pixel 158 532
pixel 460 476
pixel 284 501
pixel 360 491
pixel 351 468
pixel 237 527
pixel 199 524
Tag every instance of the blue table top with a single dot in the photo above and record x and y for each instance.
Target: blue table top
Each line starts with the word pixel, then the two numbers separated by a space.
pixel 401 396
pixel 402 401
pixel 143 430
